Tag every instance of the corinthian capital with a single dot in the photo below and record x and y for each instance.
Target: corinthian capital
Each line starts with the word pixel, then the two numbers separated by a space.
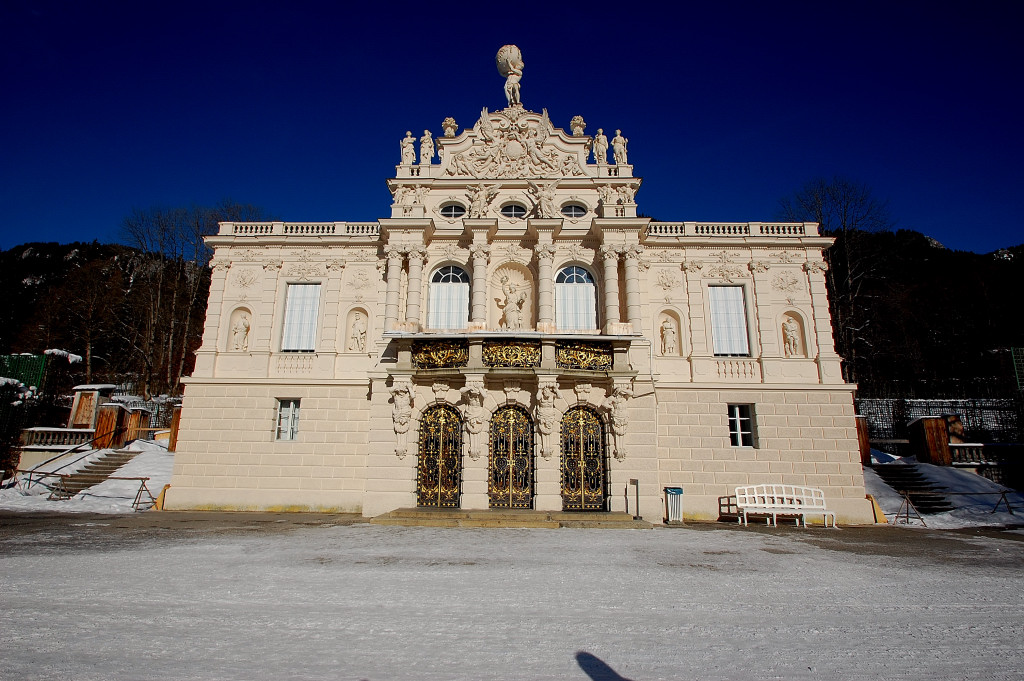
pixel 544 251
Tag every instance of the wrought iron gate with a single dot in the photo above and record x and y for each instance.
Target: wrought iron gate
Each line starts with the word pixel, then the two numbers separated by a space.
pixel 510 480
pixel 583 470
pixel 440 457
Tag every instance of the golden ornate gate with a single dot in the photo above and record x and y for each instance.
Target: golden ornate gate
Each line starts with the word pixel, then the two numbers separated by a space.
pixel 583 469
pixel 510 478
pixel 440 457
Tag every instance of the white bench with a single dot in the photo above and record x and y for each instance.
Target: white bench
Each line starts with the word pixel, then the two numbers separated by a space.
pixel 772 501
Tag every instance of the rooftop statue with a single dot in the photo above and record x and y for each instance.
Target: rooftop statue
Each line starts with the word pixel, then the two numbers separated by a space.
pixel 510 65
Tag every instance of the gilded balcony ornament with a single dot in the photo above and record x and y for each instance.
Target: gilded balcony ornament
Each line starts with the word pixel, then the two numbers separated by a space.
pixel 589 356
pixel 439 354
pixel 511 354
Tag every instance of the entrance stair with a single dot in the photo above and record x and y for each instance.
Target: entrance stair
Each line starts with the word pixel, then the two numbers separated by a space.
pixel 457 517
pixel 93 473
pixel 907 477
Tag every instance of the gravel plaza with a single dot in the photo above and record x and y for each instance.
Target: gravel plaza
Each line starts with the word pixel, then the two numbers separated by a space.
pixel 305 596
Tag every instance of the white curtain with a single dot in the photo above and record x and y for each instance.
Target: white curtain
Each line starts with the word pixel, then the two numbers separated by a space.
pixel 300 313
pixel 448 307
pixel 728 320
pixel 575 307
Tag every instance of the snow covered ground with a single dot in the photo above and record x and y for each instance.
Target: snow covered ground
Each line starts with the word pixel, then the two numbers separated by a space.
pixel 84 599
pixel 250 597
pixel 112 496
pixel 973 498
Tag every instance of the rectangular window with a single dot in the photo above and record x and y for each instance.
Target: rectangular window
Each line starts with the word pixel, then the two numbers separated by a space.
pixel 301 305
pixel 575 307
pixel 728 321
pixel 448 307
pixel 741 425
pixel 287 419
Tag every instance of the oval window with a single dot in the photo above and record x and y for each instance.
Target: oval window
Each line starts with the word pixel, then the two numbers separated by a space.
pixel 452 210
pixel 573 210
pixel 514 211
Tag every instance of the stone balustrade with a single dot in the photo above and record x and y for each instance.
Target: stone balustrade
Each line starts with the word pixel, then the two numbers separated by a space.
pixel 731 229
pixel 299 229
pixel 56 437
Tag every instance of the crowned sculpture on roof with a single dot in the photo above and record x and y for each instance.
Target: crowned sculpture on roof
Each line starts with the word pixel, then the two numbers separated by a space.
pixel 518 154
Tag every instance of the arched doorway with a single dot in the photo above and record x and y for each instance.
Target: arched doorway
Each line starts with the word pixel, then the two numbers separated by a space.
pixel 510 470
pixel 440 457
pixel 583 465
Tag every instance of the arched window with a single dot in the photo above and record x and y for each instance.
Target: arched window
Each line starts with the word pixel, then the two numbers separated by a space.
pixel 448 307
pixel 575 299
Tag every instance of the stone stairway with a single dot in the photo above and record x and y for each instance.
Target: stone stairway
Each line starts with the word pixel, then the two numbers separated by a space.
pixel 906 477
pixel 93 473
pixel 456 517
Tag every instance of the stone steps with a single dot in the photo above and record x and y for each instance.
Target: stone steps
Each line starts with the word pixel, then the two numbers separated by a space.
pixel 455 517
pixel 93 473
pixel 926 497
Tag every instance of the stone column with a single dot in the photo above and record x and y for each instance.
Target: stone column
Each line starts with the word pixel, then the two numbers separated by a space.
pixel 393 274
pixel 632 255
pixel 417 256
pixel 478 314
pixel 610 255
pixel 545 287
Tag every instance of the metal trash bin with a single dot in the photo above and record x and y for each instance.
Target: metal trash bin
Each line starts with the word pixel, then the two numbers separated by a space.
pixel 674 504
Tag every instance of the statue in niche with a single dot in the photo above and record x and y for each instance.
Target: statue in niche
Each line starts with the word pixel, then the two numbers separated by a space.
pixel 426 148
pixel 545 196
pixel 791 337
pixel 548 418
pixel 619 416
pixel 480 197
pixel 510 65
pixel 408 149
pixel 450 126
pixel 240 333
pixel 512 320
pixel 357 334
pixel 619 148
pixel 669 344
pixel 577 124
pixel 401 394
pixel 476 418
pixel 600 145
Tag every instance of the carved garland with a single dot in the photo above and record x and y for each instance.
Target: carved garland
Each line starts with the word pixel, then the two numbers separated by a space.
pixel 440 354
pixel 511 354
pixel 589 356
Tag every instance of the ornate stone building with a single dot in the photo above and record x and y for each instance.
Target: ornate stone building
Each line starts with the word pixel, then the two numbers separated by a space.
pixel 514 336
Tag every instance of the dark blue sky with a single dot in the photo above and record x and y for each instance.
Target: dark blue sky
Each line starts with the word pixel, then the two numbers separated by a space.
pixel 728 106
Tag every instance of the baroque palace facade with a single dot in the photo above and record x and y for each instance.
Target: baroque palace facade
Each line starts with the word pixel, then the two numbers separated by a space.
pixel 514 336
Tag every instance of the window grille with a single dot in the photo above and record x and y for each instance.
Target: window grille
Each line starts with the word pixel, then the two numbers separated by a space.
pixel 287 419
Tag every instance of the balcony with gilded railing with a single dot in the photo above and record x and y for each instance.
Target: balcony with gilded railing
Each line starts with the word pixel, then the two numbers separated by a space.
pixel 258 229
pixel 656 230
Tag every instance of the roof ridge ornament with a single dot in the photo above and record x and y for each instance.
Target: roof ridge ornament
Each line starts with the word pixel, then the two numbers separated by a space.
pixel 510 65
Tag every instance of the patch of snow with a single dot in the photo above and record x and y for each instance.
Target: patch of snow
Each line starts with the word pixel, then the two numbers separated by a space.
pixel 969 510
pixel 112 496
pixel 70 357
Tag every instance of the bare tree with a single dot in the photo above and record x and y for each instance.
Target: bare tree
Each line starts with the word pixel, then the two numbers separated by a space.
pixel 168 284
pixel 847 211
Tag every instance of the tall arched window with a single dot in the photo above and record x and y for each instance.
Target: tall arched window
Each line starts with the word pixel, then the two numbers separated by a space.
pixel 575 299
pixel 448 307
